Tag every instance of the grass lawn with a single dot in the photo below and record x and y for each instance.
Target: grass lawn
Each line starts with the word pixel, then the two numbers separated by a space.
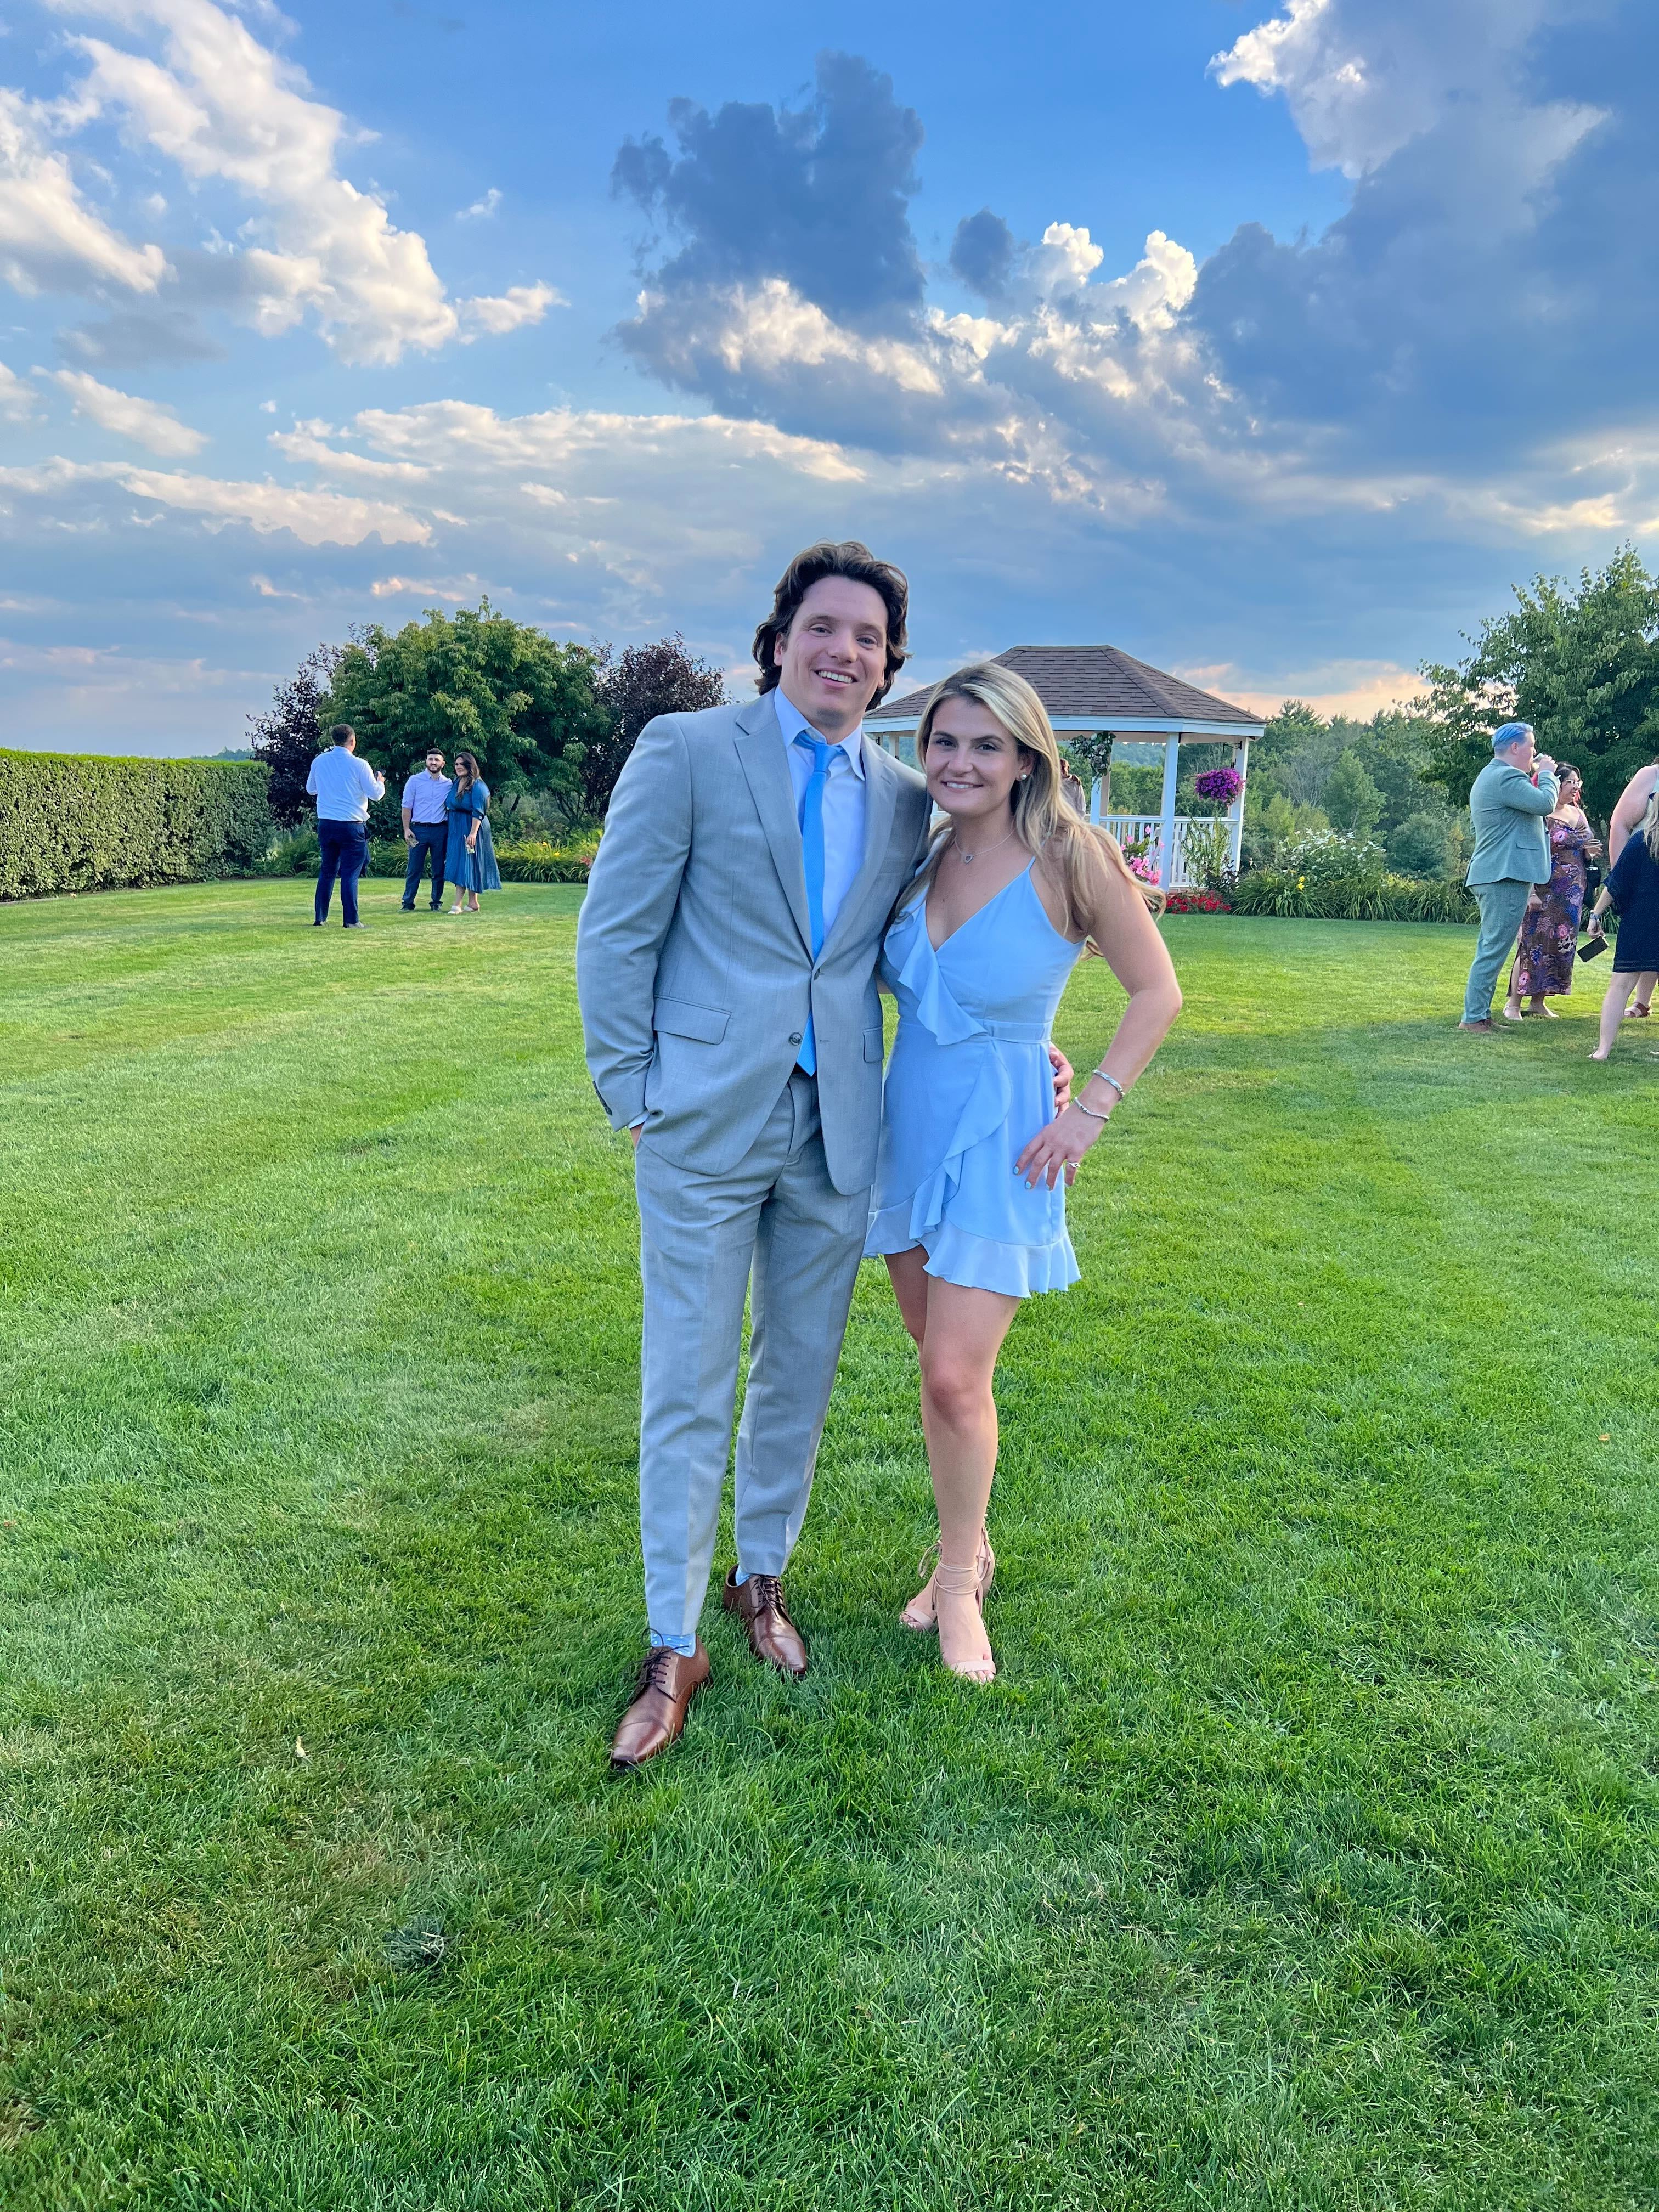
pixel 1303 1855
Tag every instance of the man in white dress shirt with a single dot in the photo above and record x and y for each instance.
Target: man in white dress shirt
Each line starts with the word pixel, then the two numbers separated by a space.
pixel 342 786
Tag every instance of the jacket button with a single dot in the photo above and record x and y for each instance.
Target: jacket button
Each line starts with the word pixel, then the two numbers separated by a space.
pixel 795 1035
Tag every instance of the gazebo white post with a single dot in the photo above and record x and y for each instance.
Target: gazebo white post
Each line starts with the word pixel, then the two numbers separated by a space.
pixel 1235 811
pixel 1167 826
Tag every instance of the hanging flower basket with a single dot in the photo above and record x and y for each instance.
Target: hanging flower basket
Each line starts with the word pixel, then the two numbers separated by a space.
pixel 1220 786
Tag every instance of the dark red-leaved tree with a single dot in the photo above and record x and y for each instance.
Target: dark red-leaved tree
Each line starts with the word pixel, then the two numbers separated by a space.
pixel 288 735
pixel 639 682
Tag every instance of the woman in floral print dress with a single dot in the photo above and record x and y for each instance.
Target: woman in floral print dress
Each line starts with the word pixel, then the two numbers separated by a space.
pixel 1549 930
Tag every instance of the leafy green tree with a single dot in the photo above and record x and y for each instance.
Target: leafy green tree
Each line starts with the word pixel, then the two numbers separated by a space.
pixel 640 682
pixel 476 682
pixel 1277 823
pixel 1419 847
pixel 1581 665
pixel 1350 798
pixel 1396 752
pixel 288 735
pixel 1295 754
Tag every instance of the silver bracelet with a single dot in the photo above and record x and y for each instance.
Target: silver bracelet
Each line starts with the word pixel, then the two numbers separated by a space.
pixel 1104 1077
pixel 1089 1111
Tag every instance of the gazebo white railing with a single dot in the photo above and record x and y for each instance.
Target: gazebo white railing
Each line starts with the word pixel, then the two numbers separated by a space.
pixel 1174 873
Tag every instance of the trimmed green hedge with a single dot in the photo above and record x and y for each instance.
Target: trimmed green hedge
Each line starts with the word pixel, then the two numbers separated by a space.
pixel 77 822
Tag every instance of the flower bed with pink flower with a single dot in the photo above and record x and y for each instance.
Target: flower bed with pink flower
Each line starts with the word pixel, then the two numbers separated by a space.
pixel 1195 901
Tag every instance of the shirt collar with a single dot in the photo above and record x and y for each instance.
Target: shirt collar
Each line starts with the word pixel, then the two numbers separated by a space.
pixel 793 723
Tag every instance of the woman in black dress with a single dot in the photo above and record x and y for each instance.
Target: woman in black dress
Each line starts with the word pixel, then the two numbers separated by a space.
pixel 1632 886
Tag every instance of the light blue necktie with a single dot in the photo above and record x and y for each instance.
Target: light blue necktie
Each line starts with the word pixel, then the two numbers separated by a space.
pixel 809 815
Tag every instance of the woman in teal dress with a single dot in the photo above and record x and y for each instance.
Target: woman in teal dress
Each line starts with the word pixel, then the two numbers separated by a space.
pixel 969 1203
pixel 469 855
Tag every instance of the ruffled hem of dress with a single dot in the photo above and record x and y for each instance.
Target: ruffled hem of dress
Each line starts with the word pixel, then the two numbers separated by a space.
pixel 977 1263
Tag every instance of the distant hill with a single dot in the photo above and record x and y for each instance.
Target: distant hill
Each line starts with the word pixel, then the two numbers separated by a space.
pixel 230 752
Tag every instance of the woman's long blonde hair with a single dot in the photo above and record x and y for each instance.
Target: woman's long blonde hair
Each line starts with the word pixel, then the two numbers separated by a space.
pixel 1045 821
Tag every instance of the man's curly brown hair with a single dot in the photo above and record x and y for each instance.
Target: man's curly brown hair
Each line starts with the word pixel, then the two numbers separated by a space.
pixel 859 565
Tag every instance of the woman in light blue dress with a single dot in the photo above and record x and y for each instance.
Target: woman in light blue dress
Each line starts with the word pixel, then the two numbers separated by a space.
pixel 969 1203
pixel 469 852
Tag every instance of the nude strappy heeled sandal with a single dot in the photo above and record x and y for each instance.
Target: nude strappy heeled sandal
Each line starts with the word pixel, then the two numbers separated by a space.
pixel 964 1581
pixel 919 1615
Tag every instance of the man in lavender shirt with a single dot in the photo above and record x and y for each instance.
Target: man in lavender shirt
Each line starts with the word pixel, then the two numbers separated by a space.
pixel 426 828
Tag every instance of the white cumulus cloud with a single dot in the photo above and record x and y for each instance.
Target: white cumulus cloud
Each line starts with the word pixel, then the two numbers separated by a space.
pixel 71 490
pixel 1361 80
pixel 49 238
pixel 493 317
pixel 17 399
pixel 221 106
pixel 481 208
pixel 146 421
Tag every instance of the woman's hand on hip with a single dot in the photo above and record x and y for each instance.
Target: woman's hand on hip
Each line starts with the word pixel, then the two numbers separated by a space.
pixel 1062 1068
pixel 1057 1149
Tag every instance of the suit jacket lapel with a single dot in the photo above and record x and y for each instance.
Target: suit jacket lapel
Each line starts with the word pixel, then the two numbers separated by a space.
pixel 880 799
pixel 760 752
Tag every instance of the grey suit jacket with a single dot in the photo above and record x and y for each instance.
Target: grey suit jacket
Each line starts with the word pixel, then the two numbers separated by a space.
pixel 694 961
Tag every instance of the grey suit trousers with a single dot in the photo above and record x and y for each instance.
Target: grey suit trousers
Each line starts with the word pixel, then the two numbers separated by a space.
pixel 777 1218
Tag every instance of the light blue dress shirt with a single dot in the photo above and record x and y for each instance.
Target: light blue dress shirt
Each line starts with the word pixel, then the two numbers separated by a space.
pixel 843 801
pixel 342 786
pixel 424 795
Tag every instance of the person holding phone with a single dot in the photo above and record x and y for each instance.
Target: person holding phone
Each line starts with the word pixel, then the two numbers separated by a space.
pixel 469 864
pixel 343 787
pixel 1632 886
pixel 1549 928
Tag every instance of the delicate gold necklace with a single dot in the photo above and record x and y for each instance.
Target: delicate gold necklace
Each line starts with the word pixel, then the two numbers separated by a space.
pixel 966 858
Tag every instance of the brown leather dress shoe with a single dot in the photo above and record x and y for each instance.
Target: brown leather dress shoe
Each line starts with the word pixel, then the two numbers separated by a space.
pixel 758 1604
pixel 668 1682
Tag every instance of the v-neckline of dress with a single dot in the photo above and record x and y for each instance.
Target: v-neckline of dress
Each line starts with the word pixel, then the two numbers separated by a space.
pixel 952 935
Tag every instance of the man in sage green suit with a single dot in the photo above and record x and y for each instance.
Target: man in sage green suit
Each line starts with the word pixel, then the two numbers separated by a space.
pixel 1511 854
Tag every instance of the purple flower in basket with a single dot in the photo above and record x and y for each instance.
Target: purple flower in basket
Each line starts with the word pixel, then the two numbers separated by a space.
pixel 1220 786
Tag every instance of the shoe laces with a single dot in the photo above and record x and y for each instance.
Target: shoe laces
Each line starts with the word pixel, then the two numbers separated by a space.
pixel 769 1595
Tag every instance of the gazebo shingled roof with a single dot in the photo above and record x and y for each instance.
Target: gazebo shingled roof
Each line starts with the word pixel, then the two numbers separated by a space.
pixel 1101 687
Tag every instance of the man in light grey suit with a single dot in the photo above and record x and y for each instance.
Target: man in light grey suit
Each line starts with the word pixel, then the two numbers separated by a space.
pixel 726 963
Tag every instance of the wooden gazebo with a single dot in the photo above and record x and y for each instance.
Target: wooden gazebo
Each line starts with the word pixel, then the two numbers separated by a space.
pixel 1098 690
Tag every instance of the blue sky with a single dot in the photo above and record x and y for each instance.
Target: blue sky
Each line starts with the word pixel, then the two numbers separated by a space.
pixel 1272 345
